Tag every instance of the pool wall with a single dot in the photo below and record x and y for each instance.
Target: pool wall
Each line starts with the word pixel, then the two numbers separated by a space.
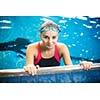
pixel 64 74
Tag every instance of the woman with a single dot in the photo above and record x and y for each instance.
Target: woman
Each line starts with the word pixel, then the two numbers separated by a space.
pixel 48 52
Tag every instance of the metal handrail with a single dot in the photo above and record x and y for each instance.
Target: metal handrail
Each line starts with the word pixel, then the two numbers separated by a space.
pixel 45 70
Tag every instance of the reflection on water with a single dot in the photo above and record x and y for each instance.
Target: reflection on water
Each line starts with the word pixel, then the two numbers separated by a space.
pixel 16 46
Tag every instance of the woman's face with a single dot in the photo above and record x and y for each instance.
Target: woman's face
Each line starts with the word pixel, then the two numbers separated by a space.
pixel 49 39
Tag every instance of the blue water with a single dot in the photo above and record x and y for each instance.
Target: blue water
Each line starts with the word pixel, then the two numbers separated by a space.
pixel 80 34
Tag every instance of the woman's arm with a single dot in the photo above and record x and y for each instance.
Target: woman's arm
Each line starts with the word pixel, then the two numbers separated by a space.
pixel 30 55
pixel 65 54
pixel 67 60
pixel 30 67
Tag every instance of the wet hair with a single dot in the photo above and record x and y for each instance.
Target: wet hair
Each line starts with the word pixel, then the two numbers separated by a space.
pixel 47 26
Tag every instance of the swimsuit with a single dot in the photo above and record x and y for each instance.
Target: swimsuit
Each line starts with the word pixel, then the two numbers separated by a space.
pixel 47 62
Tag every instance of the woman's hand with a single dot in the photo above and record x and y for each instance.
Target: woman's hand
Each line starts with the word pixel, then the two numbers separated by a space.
pixel 86 65
pixel 31 69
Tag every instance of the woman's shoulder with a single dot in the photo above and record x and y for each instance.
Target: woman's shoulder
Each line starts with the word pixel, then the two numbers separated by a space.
pixel 32 48
pixel 61 45
pixel 33 45
pixel 62 48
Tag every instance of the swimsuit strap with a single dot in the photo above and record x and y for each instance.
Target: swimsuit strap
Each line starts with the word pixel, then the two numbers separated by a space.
pixel 56 54
pixel 38 58
pixel 39 55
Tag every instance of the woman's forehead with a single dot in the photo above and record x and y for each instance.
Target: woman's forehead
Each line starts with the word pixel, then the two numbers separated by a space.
pixel 52 33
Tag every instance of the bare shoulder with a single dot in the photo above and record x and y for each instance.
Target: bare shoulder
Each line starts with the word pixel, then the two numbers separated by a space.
pixel 32 45
pixel 32 48
pixel 61 45
pixel 62 48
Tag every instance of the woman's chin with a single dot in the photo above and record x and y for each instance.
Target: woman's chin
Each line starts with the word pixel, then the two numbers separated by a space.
pixel 49 47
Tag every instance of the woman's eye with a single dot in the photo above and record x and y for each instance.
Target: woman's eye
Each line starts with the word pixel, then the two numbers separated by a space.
pixel 54 37
pixel 45 37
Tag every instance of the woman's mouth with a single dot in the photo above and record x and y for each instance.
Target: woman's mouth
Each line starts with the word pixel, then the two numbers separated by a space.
pixel 50 46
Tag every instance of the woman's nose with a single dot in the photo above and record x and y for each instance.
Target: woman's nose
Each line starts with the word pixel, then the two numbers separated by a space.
pixel 50 40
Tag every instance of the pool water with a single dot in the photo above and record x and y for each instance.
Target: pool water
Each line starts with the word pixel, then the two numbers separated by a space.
pixel 80 34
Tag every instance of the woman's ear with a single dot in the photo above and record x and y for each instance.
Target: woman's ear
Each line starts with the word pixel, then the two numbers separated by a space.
pixel 41 36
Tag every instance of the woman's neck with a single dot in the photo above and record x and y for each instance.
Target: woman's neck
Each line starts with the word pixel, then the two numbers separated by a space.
pixel 45 52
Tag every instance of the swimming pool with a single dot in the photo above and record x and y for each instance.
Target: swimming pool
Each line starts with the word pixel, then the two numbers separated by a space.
pixel 80 34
